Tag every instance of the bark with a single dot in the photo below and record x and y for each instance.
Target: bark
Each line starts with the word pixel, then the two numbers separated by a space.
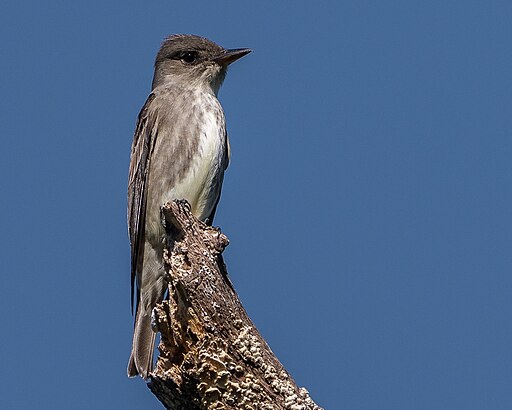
pixel 211 354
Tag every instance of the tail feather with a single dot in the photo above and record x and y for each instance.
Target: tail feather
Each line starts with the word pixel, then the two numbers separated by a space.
pixel 141 358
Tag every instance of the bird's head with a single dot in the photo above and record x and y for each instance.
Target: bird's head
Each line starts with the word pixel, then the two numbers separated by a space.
pixel 193 61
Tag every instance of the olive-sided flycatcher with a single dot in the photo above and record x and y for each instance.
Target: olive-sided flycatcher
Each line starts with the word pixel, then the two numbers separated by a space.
pixel 180 150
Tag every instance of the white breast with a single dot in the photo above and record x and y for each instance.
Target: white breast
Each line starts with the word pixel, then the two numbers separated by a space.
pixel 201 186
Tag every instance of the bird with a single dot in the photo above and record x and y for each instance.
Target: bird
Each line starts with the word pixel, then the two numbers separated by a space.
pixel 180 150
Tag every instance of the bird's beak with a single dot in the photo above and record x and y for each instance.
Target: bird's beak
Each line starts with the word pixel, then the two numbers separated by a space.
pixel 230 56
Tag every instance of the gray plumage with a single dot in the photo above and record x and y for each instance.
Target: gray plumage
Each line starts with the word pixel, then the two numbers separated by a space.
pixel 180 150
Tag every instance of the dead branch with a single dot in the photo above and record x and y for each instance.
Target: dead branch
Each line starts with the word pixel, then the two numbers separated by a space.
pixel 211 354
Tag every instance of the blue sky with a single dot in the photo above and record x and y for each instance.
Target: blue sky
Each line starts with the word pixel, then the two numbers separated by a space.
pixel 368 201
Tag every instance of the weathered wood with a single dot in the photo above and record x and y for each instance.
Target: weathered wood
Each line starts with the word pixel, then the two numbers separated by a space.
pixel 211 354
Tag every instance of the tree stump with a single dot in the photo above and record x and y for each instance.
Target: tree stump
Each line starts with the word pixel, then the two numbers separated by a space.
pixel 211 354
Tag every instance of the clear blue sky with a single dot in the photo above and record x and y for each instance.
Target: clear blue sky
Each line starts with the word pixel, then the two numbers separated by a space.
pixel 368 201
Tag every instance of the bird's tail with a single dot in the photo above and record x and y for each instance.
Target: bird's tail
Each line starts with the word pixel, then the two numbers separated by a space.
pixel 141 358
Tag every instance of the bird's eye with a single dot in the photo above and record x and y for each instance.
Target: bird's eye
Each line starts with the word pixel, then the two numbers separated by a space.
pixel 189 57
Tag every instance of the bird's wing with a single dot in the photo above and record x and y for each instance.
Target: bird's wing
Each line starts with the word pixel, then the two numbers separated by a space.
pixel 228 149
pixel 143 143
pixel 226 159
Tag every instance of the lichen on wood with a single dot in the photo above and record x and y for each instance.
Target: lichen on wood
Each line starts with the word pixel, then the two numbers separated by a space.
pixel 211 354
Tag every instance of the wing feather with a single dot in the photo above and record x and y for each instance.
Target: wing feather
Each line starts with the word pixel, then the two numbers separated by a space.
pixel 143 142
pixel 226 160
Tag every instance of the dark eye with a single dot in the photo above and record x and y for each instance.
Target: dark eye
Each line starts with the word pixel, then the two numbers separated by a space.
pixel 189 57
